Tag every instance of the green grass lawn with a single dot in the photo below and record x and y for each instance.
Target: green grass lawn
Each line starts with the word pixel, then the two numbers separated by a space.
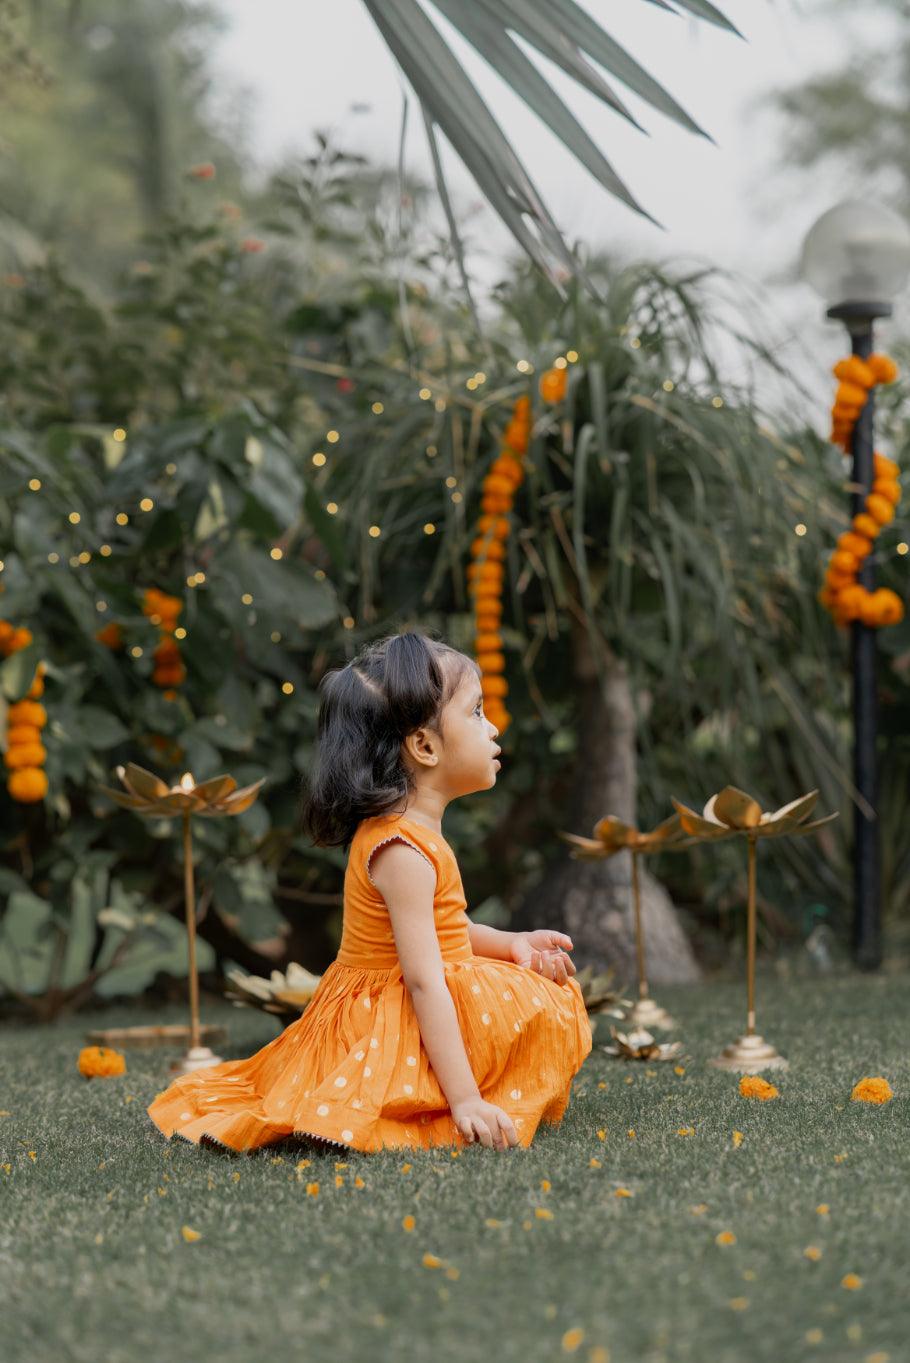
pixel 95 1268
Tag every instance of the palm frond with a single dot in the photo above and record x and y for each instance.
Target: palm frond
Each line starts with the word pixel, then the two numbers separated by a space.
pixel 567 35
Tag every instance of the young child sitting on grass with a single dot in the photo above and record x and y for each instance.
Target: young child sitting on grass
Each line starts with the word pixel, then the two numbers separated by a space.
pixel 427 1029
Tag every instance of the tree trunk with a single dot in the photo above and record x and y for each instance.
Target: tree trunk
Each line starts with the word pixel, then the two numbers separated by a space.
pixel 591 900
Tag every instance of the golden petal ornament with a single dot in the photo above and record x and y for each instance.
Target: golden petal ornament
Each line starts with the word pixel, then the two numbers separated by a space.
pixel 615 834
pixel 121 798
pixel 734 808
pixel 797 809
pixel 215 788
pixel 697 826
pixel 143 783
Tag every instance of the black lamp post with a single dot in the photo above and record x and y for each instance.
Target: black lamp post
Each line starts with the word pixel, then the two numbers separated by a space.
pixel 857 256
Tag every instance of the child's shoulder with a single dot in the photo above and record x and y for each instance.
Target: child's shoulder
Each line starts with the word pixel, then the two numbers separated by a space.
pixel 373 832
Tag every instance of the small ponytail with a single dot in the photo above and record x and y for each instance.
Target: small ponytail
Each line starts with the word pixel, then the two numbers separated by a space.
pixel 368 707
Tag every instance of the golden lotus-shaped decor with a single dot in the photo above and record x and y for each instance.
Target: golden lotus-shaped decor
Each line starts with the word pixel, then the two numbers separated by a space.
pixel 150 797
pixel 733 813
pixel 612 835
pixel 147 794
pixel 286 995
pixel 640 1045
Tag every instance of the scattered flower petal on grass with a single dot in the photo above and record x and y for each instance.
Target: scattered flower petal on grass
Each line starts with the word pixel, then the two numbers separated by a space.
pixel 725 1237
pixel 406 1168
pixel 431 1261
pixel 622 1192
pixel 851 1281
pixel 737 1139
pixel 32 1155
pixel 408 1222
pixel 814 1336
pixel 358 1182
pixel 679 1069
pixel 631 1133
pixel 739 1303
pixel 839 1159
pixel 571 1340
pixel 880 1356
pixel 543 1213
pixel 753 1086
pixel 872 1090
pixel 593 1163
pixel 699 1209
pixel 189 1234
pixel 235 1177
pixel 492 1222
pixel 312 1189
pixel 545 1184
pixel 823 1209
pixel 812 1252
pixel 602 1134
pixel 686 1131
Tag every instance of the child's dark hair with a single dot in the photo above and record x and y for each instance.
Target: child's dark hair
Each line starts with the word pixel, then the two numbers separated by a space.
pixel 395 685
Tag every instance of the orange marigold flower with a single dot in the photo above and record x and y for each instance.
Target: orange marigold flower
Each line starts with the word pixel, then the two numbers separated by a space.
pixel 753 1086
pixel 725 1237
pixel 875 1090
pixel 851 1281
pixel 94 1061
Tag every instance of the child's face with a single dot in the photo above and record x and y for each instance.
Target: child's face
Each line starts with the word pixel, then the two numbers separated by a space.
pixel 465 756
pixel 469 758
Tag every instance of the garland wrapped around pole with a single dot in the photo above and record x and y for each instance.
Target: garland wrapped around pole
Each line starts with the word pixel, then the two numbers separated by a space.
pixel 842 594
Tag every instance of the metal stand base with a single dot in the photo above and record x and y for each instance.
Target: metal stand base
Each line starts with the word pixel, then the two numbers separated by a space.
pixel 649 1014
pixel 749 1054
pixel 196 1058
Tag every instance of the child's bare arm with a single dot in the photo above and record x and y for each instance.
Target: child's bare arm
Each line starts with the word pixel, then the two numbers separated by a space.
pixel 407 884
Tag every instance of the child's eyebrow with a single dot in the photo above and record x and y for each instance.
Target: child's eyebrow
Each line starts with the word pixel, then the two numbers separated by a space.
pixel 478 697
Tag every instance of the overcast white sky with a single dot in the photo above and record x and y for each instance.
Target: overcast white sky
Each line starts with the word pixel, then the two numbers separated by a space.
pixel 722 203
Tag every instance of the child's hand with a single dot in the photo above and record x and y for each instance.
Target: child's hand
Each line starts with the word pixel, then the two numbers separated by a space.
pixel 492 1126
pixel 544 951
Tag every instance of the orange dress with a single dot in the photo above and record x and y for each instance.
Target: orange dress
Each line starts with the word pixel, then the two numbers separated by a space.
pixel 352 1070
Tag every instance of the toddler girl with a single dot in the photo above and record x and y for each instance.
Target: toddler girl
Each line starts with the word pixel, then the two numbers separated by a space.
pixel 427 1029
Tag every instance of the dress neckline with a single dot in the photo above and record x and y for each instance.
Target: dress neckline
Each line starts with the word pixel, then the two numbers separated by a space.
pixel 431 832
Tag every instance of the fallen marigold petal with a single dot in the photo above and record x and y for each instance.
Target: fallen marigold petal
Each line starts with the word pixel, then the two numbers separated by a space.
pixel 571 1340
pixel 753 1086
pixel 872 1090
pixel 725 1237
pixel 189 1234
pixel 851 1281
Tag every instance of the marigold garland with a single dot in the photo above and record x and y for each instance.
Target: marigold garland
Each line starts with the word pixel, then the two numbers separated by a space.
pixel 486 573
pixel 845 597
pixel 25 753
pixel 100 1061
pixel 169 670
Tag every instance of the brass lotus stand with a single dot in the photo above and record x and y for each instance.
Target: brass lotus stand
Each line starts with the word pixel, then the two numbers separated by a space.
pixel 732 813
pixel 611 835
pixel 150 797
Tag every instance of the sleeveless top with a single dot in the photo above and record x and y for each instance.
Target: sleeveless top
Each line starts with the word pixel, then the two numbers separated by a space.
pixel 367 940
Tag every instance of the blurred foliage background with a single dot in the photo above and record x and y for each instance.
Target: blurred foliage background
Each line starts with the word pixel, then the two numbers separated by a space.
pixel 275 405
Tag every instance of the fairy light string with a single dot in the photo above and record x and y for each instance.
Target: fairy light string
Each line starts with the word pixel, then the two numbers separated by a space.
pixel 842 594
